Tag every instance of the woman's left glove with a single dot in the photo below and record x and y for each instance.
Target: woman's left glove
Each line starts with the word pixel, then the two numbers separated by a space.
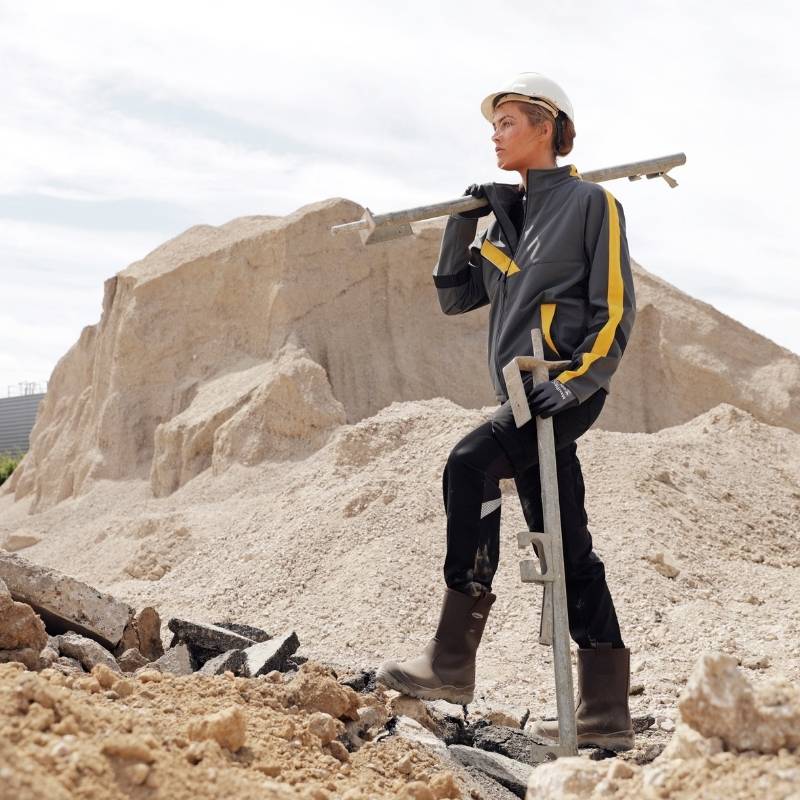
pixel 551 397
pixel 476 190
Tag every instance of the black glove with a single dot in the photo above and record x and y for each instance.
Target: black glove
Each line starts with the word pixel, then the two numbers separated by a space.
pixel 476 190
pixel 551 397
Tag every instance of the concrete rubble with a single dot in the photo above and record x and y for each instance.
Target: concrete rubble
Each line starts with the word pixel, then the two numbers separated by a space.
pixel 86 651
pixel 63 602
pixel 206 641
pixel 509 773
pixel 266 656
pixel 720 710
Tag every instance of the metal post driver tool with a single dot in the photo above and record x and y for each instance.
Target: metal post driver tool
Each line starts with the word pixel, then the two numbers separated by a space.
pixel 547 545
pixel 396 224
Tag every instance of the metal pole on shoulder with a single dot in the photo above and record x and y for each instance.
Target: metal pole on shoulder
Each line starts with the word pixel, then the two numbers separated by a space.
pixel 375 228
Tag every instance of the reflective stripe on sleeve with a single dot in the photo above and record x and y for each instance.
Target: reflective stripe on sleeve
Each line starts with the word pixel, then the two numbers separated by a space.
pixel 605 338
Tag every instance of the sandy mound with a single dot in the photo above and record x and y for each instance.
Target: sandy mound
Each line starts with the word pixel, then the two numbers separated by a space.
pixel 190 339
pixel 346 547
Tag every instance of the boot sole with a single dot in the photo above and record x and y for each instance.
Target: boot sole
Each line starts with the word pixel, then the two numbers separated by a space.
pixel 617 742
pixel 453 694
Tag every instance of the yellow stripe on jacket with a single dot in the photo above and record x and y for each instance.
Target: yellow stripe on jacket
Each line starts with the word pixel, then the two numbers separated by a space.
pixel 605 338
pixel 497 257
pixel 548 312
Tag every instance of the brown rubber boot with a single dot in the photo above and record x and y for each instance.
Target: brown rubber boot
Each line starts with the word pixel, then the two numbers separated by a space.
pixel 446 668
pixel 602 715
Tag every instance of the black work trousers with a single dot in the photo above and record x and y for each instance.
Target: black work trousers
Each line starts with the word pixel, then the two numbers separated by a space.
pixel 472 499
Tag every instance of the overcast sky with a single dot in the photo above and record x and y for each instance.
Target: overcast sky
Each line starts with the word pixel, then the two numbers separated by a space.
pixel 121 125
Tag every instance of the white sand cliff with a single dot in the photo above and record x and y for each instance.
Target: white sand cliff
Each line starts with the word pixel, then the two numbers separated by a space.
pixel 257 427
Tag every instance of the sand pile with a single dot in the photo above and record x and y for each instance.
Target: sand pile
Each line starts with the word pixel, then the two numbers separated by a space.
pixel 346 547
pixel 190 338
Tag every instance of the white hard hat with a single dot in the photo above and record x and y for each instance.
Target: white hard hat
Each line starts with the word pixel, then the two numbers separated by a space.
pixel 531 87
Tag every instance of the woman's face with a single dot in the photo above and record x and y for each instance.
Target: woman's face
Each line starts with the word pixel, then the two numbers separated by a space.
pixel 519 145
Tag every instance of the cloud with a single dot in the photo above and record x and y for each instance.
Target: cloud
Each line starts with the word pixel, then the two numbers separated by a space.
pixel 123 125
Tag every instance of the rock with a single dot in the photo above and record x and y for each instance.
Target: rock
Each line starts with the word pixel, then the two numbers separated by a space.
pixel 718 701
pixel 128 747
pixel 636 689
pixel 131 660
pixel 445 708
pixel 483 787
pixel 756 662
pixel 315 688
pixel 104 676
pixel 68 666
pixel 206 641
pixel 227 728
pixel 506 771
pixel 403 705
pixel 686 742
pixel 48 655
pixel 325 726
pixel 410 729
pixel 500 714
pixel 264 657
pixel 361 681
pixel 338 751
pixel 177 660
pixel 25 655
pixel 20 626
pixel 416 790
pixel 566 778
pixel 248 631
pixel 19 541
pixel 86 651
pixel 148 628
pixel 508 741
pixel 664 563
pixel 640 724
pixel 233 660
pixel 621 770
pixel 64 603
pixel 450 722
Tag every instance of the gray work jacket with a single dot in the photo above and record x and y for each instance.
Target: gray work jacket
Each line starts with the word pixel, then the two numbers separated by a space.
pixel 568 273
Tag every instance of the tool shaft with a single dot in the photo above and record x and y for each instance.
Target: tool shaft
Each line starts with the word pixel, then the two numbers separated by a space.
pixel 652 166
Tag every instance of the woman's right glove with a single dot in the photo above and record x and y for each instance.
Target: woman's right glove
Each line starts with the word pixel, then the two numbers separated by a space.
pixel 476 190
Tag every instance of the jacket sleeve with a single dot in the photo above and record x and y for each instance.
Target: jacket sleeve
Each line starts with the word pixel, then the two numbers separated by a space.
pixel 458 274
pixel 612 303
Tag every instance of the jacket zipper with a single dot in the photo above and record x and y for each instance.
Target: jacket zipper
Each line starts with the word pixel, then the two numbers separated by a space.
pixel 503 295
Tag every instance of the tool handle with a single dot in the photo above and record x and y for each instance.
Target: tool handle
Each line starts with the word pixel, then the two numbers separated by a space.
pixel 415 214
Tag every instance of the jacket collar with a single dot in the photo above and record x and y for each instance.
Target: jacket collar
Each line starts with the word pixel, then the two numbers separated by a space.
pixel 541 179
pixel 503 196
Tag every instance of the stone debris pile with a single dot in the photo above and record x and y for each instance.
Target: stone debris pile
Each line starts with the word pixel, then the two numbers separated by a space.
pixel 86 645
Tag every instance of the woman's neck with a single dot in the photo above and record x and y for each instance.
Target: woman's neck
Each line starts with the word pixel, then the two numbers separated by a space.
pixel 524 172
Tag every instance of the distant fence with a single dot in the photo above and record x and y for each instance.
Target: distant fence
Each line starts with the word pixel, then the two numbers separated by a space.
pixel 26 387
pixel 17 415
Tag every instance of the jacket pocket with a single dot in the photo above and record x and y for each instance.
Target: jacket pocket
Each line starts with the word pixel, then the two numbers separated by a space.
pixel 548 312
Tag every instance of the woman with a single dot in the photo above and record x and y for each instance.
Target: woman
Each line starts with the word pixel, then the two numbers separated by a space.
pixel 555 257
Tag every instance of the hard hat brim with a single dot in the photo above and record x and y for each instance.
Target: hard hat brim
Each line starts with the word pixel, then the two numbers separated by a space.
pixel 488 104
